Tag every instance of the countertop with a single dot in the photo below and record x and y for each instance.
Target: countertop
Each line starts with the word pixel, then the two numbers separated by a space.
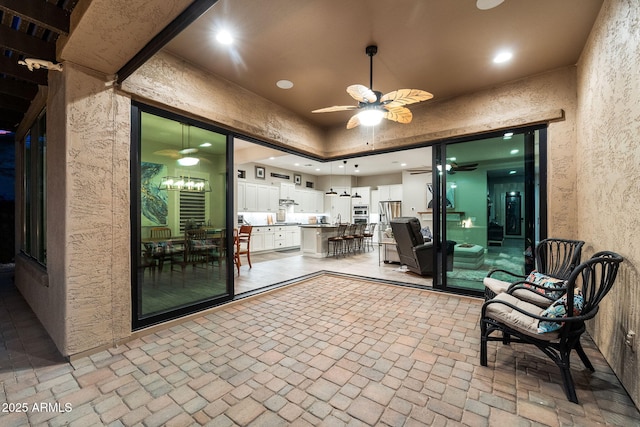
pixel 318 226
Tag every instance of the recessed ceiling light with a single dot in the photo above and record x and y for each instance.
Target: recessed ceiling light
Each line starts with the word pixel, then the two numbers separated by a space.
pixel 317 169
pixel 271 158
pixel 403 164
pixel 284 84
pixel 296 164
pixel 224 37
pixel 205 144
pixel 514 151
pixel 512 172
pixel 502 57
pixel 507 135
pixel 488 4
pixel 341 166
pixel 357 170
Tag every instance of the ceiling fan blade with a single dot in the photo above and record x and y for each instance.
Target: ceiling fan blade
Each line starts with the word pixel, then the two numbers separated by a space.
pixel 401 97
pixel 353 122
pixel 399 114
pixel 464 168
pixel 362 93
pixel 168 153
pixel 335 108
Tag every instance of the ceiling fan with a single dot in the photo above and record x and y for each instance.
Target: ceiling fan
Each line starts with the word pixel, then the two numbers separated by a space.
pixel 186 155
pixel 373 106
pixel 451 168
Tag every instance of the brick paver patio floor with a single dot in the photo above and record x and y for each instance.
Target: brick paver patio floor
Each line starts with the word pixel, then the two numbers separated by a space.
pixel 331 351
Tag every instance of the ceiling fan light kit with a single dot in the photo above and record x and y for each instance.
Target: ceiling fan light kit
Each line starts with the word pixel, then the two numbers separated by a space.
pixel 188 161
pixel 374 106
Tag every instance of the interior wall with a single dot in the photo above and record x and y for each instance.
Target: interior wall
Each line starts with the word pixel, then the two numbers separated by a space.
pixel 608 175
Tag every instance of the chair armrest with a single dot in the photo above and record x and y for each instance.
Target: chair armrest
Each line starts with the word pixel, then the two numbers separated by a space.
pixel 423 247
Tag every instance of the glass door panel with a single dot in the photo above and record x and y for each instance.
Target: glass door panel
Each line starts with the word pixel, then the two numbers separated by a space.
pixel 485 184
pixel 182 218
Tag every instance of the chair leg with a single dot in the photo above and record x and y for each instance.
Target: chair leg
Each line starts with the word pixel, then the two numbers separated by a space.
pixel 483 343
pixel 583 357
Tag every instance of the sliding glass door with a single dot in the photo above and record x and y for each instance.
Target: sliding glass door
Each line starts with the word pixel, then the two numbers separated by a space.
pixel 180 242
pixel 488 207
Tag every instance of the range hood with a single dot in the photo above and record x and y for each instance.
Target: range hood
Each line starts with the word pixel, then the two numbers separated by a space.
pixel 288 202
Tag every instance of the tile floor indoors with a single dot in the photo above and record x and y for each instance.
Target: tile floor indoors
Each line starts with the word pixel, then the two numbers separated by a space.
pixel 333 350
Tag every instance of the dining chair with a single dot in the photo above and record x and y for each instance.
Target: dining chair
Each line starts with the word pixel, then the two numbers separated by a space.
pixel 161 247
pixel 242 244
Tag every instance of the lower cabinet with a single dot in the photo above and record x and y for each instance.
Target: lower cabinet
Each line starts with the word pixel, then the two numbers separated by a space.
pixel 273 237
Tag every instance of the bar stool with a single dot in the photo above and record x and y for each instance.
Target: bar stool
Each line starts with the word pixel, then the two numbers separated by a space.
pixel 368 235
pixel 337 241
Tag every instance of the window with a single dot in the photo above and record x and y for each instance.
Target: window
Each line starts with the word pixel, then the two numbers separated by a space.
pixel 192 209
pixel 34 186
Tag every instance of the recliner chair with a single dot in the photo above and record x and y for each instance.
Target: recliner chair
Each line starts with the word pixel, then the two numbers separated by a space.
pixel 413 251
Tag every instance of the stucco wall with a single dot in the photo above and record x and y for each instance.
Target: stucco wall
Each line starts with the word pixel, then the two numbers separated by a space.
pixel 179 86
pixel 608 181
pixel 83 298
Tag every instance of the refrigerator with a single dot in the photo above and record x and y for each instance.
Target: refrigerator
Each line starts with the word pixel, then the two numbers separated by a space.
pixel 389 210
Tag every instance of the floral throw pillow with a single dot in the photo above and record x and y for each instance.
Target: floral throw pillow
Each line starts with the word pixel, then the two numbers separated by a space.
pixel 558 309
pixel 549 286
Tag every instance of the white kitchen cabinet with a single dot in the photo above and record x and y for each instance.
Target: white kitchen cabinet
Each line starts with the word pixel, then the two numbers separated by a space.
pixel 274 237
pixel 279 237
pixel 319 195
pixel 287 191
pixel 298 196
pixel 274 199
pixel 269 238
pixel 390 192
pixel 375 199
pixel 292 236
pixel 257 239
pixel 309 201
pixel 267 198
pixel 365 196
pixel 247 196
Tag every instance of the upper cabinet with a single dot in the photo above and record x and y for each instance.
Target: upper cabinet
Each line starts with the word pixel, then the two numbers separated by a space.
pixel 365 196
pixel 287 191
pixel 247 196
pixel 390 192
pixel 309 201
pixel 257 198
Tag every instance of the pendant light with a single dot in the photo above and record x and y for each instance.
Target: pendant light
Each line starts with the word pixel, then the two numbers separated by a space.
pixel 344 193
pixel 356 195
pixel 331 193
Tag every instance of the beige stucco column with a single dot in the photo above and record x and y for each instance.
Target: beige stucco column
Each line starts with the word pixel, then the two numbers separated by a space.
pixel 83 298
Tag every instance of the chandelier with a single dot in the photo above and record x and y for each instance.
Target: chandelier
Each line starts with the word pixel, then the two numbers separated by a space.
pixel 183 183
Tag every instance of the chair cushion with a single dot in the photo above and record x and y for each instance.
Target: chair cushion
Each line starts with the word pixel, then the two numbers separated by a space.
pixel 516 320
pixel 547 285
pixel 497 286
pixel 558 309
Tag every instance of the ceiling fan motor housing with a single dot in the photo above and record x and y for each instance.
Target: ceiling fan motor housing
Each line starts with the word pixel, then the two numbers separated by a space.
pixel 371 50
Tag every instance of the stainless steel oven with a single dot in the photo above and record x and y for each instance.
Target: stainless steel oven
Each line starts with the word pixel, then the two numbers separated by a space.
pixel 361 210
pixel 360 219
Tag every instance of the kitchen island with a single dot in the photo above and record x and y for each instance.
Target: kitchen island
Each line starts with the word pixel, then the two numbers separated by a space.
pixel 314 239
